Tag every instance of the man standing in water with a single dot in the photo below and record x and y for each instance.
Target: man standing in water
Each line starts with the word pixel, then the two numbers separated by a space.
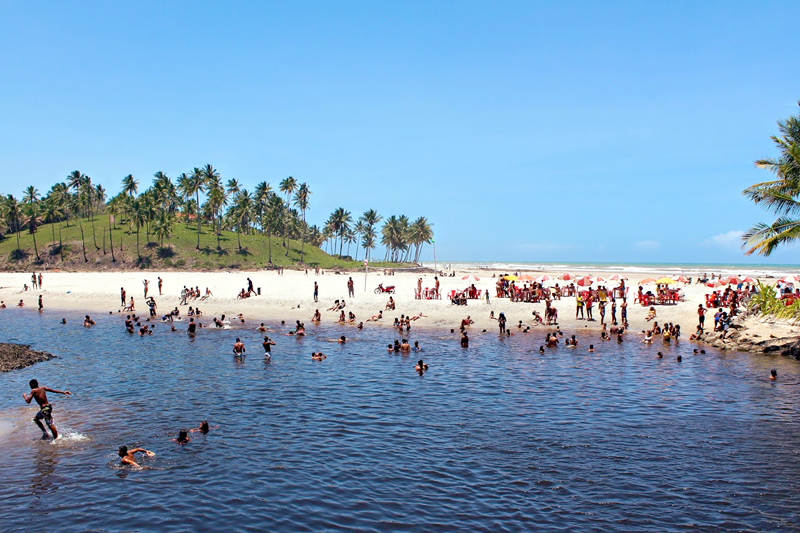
pixel 45 409
pixel 238 348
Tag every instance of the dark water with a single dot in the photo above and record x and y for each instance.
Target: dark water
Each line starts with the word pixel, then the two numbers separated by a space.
pixel 493 438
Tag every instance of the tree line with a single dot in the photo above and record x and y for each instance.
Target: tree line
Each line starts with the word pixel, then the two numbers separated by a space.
pixel 201 197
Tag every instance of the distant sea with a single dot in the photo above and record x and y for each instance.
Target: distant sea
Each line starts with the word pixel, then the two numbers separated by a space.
pixel 688 269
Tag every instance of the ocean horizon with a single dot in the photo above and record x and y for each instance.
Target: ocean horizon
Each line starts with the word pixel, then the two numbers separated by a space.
pixel 774 270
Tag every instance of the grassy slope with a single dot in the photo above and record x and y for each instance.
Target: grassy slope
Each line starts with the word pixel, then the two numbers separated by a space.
pixel 181 254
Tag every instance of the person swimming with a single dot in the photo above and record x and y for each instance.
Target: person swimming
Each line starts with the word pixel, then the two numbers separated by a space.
pixel 591 348
pixel 342 340
pixel 183 437
pixel 773 374
pixel 204 429
pixel 421 367
pixel 128 457
pixel 318 356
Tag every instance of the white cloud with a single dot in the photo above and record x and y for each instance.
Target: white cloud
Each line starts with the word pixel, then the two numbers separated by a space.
pixel 729 241
pixel 648 245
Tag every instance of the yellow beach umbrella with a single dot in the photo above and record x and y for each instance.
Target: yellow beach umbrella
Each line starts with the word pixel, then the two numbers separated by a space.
pixel 510 277
pixel 666 281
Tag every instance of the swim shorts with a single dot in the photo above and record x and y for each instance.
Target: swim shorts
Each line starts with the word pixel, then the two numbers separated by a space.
pixel 45 413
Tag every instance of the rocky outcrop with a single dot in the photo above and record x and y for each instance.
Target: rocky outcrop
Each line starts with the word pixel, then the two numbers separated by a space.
pixel 759 335
pixel 16 356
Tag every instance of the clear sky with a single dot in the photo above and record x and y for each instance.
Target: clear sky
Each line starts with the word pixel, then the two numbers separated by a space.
pixel 524 131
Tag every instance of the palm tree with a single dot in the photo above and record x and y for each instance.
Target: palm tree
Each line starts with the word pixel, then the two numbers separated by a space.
pixel 368 239
pixel 162 227
pixel 130 186
pixel 32 209
pixel 12 209
pixel 233 187
pixel 194 185
pixel 779 196
pixel 137 217
pixel 241 213
pixel 359 229
pixel 288 186
pixel 420 233
pixel 52 213
pixel 301 199
pixel 370 218
pixel 216 199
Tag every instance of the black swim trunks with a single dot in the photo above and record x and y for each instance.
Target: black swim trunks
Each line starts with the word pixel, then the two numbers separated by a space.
pixel 45 413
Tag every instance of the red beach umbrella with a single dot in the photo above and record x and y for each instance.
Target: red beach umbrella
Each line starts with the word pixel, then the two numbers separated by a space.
pixel 748 279
pixel 646 281
pixel 566 276
pixel 542 278
pixel 617 277
pixel 585 281
pixel 470 277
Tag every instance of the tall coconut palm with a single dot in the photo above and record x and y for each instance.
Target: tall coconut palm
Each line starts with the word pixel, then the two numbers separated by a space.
pixel 51 213
pixel 194 185
pixel 162 227
pixel 301 199
pixel 137 217
pixel 33 219
pixel 130 186
pixel 216 199
pixel 779 196
pixel 287 186
pixel 420 233
pixel 358 229
pixel 241 214
pixel 12 209
pixel 370 218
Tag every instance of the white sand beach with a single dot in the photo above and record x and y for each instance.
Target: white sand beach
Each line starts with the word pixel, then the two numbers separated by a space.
pixel 290 297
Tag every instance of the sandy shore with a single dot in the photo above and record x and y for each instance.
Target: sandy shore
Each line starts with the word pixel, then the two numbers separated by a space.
pixel 290 297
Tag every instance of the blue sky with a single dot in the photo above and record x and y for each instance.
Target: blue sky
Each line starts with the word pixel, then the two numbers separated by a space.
pixel 524 131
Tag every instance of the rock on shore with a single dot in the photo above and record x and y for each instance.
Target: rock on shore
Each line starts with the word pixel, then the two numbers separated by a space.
pixel 16 356
pixel 760 335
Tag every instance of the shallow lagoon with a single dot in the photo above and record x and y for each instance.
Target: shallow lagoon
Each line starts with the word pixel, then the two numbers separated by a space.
pixel 492 438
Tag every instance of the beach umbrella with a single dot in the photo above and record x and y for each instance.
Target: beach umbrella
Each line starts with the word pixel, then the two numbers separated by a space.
pixel 510 277
pixel 733 280
pixel 598 279
pixel 566 276
pixel 664 280
pixel 526 277
pixel 470 277
pixel 542 278
pixel 617 277
pixel 789 279
pixel 718 283
pixel 682 279
pixel 748 279
pixel 646 281
pixel 585 281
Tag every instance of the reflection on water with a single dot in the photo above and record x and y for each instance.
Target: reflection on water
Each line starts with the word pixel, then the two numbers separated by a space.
pixel 492 438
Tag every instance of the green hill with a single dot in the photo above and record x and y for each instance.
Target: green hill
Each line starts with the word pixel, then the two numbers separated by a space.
pixel 179 252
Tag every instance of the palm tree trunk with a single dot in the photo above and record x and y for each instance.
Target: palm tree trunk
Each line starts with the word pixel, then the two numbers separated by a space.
pixel 111 241
pixel 60 244
pixel 198 219
pixel 269 241
pixel 53 228
pixel 219 229
pixel 35 248
pixel 239 237
pixel 83 244
pixel 137 242
pixel 94 236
